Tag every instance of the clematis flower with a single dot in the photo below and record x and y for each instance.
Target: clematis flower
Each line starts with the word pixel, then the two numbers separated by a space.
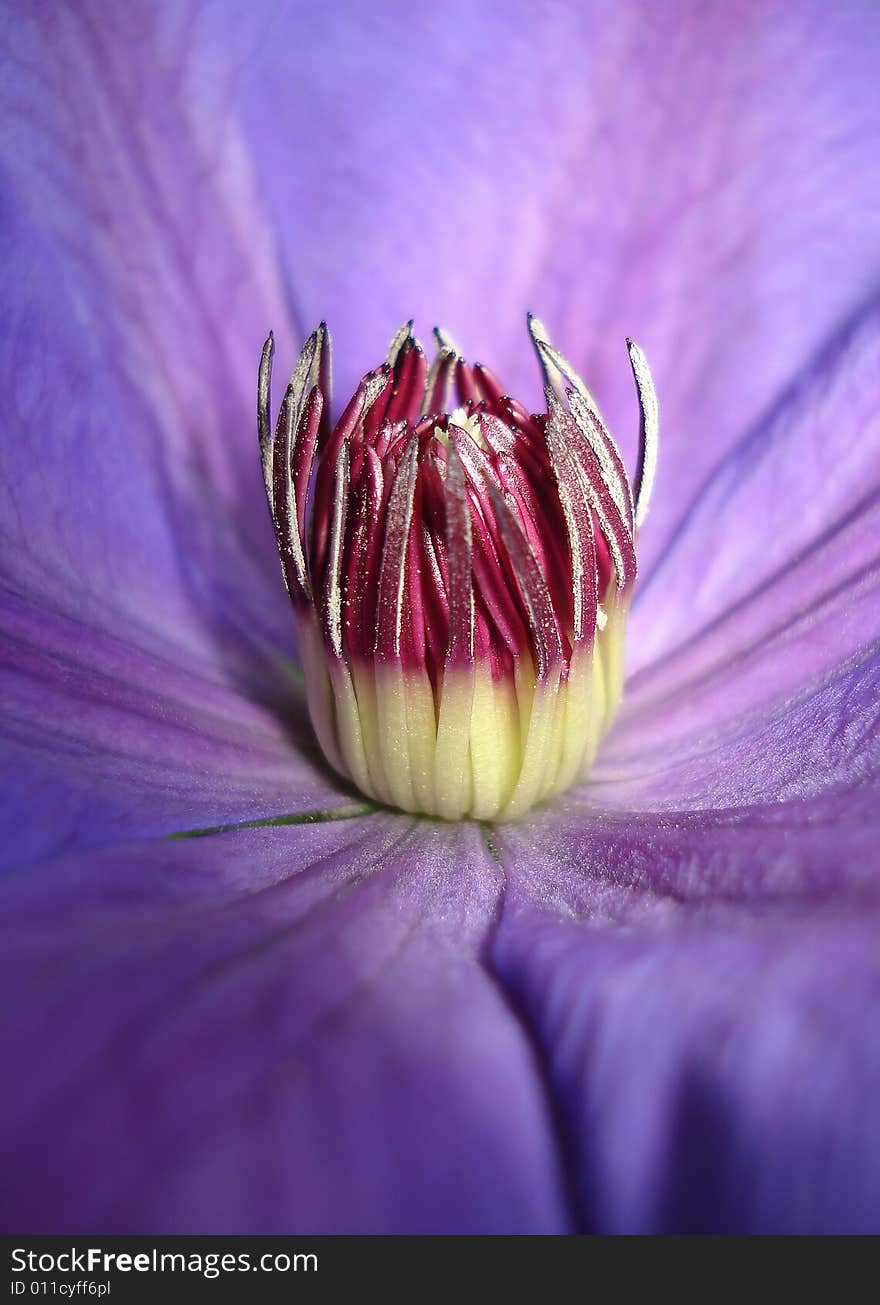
pixel 650 1002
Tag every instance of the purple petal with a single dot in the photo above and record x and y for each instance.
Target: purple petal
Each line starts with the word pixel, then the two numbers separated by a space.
pixel 139 277
pixel 789 514
pixel 287 1030
pixel 269 1031
pixel 720 195
pixel 104 739
pixel 588 860
pixel 705 180
pixel 779 734
pixel 758 641
pixel 714 1073
pixel 140 597
pixel 748 760
pixel 705 1024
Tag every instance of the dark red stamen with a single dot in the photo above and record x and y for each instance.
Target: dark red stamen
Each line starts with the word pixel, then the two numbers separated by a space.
pixel 431 540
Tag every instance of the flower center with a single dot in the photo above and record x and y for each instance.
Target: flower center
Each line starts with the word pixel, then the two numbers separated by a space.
pixel 460 578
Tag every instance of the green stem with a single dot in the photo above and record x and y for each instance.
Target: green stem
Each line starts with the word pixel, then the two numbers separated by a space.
pixel 298 818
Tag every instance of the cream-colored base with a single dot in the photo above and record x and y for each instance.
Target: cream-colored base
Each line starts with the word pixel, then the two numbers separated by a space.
pixel 487 749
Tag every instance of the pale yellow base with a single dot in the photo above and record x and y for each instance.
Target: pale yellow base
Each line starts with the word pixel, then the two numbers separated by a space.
pixel 487 749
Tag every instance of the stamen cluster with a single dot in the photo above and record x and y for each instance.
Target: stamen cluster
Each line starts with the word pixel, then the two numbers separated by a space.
pixel 460 578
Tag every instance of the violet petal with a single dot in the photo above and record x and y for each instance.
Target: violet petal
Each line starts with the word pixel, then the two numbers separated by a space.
pixel 271 1031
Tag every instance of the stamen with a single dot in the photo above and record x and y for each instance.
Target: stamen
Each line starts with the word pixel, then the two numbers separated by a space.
pixel 581 541
pixel 333 579
pixel 264 425
pixel 648 433
pixel 439 382
pixel 612 524
pixel 389 612
pixel 607 455
pixel 398 339
pixel 283 504
pixel 536 596
pixel 558 371
pixel 459 551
